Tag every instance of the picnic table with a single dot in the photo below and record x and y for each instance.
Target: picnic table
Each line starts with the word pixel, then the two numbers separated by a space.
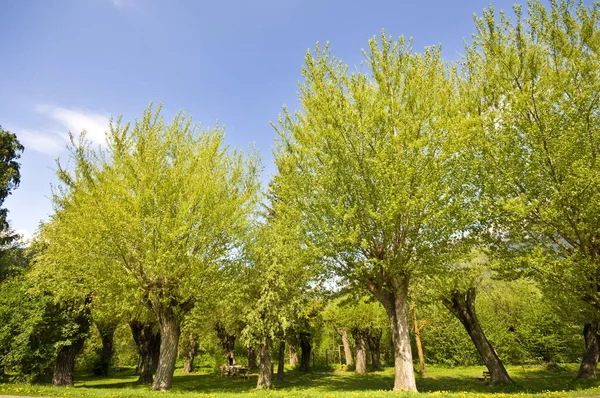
pixel 234 370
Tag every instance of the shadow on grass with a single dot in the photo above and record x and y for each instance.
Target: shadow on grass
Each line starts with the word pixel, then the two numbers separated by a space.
pixel 528 380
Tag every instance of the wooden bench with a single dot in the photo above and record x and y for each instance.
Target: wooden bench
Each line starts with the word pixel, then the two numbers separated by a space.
pixel 487 376
pixel 234 370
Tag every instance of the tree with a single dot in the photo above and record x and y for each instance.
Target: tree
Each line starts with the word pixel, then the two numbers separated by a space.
pixel 417 326
pixel 10 177
pixel 375 167
pixel 162 208
pixel 41 333
pixel 458 291
pixel 280 270
pixel 364 320
pixel 535 87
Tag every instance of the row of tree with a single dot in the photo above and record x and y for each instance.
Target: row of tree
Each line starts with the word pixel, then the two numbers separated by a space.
pixel 414 178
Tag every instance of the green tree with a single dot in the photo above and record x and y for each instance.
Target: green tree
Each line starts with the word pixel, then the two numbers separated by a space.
pixel 162 209
pixel 10 177
pixel 535 85
pixel 364 320
pixel 458 290
pixel 377 173
pixel 280 271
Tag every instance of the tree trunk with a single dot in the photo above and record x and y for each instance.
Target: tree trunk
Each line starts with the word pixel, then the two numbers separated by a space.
pixel 305 349
pixel 252 364
pixel 418 341
pixel 65 364
pixel 395 301
pixel 107 334
pixel 361 351
pixel 463 307
pixel 190 354
pixel 228 343
pixel 346 344
pixel 265 369
pixel 65 360
pixel 293 356
pixel 281 360
pixel 587 370
pixel 169 339
pixel 147 340
pixel 374 342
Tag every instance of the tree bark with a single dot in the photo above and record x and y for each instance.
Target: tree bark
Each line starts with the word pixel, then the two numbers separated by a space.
pixel 169 339
pixel 394 298
pixel 281 360
pixel 361 351
pixel 293 355
pixel 374 342
pixel 107 334
pixel 147 340
pixel 252 364
pixel 462 305
pixel 346 344
pixel 65 360
pixel 228 343
pixel 265 370
pixel 587 369
pixel 305 350
pixel 65 364
pixel 417 329
pixel 190 354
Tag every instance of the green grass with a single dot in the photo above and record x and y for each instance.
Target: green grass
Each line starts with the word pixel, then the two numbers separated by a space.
pixel 531 381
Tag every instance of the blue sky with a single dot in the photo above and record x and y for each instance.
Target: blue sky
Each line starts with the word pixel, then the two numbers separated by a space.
pixel 67 65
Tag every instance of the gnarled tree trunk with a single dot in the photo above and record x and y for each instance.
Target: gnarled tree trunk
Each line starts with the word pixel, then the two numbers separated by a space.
pixel 107 334
pixel 169 339
pixel 346 344
pixel 190 353
pixel 65 363
pixel 361 351
pixel 394 298
pixel 462 305
pixel 65 360
pixel 281 360
pixel 374 342
pixel 227 342
pixel 293 355
pixel 264 366
pixel 305 350
pixel 587 370
pixel 147 340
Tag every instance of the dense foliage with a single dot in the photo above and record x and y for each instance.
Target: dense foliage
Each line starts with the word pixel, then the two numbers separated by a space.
pixel 448 210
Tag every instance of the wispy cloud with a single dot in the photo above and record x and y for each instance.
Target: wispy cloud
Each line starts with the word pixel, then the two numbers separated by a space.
pixel 50 143
pixel 61 120
pixel 76 120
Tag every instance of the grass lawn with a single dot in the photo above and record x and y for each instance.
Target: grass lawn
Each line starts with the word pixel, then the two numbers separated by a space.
pixel 531 381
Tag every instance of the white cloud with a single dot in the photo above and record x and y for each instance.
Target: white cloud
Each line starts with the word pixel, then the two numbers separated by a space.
pixel 50 143
pixel 53 140
pixel 76 120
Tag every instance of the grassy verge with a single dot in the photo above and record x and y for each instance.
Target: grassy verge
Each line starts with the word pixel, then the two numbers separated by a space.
pixel 530 381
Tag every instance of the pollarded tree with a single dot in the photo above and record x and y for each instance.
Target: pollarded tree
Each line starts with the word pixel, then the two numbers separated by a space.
pixel 375 169
pixel 163 208
pixel 536 87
